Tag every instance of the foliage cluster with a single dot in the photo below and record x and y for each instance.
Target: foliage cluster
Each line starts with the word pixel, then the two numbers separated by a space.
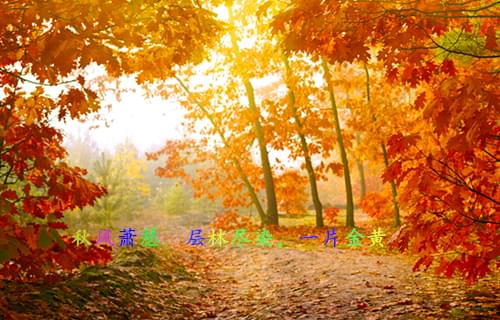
pixel 50 44
pixel 412 85
pixel 377 205
pixel 230 221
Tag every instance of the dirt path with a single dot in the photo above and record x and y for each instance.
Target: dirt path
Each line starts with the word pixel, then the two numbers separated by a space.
pixel 252 283
pixel 327 283
pixel 255 283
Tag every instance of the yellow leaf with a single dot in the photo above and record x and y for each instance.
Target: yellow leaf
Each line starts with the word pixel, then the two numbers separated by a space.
pixel 19 54
pixel 30 102
pixel 30 117
pixel 19 102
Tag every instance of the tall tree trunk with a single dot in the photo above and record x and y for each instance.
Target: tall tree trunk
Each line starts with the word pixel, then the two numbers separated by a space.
pixel 318 207
pixel 236 162
pixel 272 204
pixel 361 170
pixel 343 154
pixel 394 190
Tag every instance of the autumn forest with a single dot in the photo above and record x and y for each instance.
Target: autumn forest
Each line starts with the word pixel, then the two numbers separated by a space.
pixel 309 159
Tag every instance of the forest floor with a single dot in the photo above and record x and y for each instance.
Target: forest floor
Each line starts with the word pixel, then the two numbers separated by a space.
pixel 287 283
pixel 293 282
pixel 317 282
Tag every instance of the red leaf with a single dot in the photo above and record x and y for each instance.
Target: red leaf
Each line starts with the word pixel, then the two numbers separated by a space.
pixel 9 195
pixel 361 305
pixel 392 171
pixel 420 101
pixel 27 189
pixel 398 143
pixel 58 225
pixel 439 30
pixel 423 261
pixel 448 67
pixel 410 75
pixel 336 168
pixel 445 306
pixel 392 74
pixel 491 38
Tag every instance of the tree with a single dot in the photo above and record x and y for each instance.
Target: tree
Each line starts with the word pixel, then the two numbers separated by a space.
pixel 122 174
pixel 176 200
pixel 234 133
pixel 50 43
pixel 294 123
pixel 134 190
pixel 343 154
pixel 444 166
pixel 361 171
pixel 318 207
pixel 108 174
pixel 202 110
pixel 272 206
pixel 83 151
pixel 375 116
pixel 215 175
pixel 397 219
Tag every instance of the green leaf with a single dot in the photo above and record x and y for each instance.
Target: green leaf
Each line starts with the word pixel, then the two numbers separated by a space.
pixel 4 255
pixel 44 239
pixel 8 251
pixel 57 238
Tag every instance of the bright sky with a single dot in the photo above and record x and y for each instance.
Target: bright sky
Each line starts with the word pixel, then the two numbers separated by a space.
pixel 147 123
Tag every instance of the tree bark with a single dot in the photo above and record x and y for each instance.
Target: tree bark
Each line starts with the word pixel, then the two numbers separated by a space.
pixel 361 170
pixel 394 190
pixel 343 154
pixel 272 204
pixel 318 207
pixel 236 162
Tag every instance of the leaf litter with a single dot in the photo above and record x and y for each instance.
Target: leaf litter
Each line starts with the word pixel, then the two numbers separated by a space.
pixel 184 282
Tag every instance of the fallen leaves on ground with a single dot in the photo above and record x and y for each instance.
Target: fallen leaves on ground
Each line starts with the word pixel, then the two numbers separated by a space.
pixel 272 283
pixel 187 282
pixel 139 284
